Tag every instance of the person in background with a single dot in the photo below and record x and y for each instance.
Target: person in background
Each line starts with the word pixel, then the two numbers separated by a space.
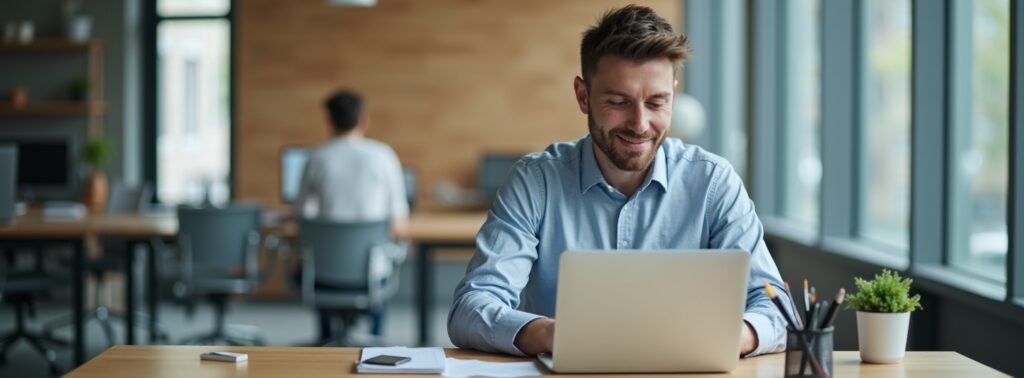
pixel 352 178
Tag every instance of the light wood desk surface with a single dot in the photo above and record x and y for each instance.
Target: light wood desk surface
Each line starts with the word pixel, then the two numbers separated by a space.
pixel 34 225
pixel 183 361
pixel 425 226
pixel 428 226
pixel 445 226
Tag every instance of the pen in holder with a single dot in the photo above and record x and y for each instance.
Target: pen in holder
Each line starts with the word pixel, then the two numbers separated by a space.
pixel 820 343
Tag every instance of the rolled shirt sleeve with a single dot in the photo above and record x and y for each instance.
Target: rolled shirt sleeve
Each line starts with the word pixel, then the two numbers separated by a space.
pixel 735 225
pixel 484 314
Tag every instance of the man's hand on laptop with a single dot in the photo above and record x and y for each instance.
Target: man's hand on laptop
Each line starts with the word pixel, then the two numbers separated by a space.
pixel 537 336
pixel 748 339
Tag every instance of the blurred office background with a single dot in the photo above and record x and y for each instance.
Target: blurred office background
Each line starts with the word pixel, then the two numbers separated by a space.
pixel 871 134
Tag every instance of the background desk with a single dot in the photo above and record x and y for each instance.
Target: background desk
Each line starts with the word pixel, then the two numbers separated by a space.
pixel 427 230
pixel 183 361
pixel 32 228
pixel 431 231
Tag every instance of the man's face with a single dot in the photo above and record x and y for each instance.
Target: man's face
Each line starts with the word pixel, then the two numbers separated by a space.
pixel 629 108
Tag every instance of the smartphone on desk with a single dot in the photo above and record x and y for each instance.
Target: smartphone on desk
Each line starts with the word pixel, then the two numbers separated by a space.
pixel 386 360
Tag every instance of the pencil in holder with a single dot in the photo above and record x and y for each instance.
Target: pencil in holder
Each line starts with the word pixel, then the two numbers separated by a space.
pixel 819 341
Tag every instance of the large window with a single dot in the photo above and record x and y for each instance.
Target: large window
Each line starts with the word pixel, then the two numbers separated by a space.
pixel 885 123
pixel 193 81
pixel 980 153
pixel 713 112
pixel 921 144
pixel 802 113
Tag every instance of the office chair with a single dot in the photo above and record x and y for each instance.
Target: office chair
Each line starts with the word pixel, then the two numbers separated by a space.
pixel 219 250
pixel 20 289
pixel 122 199
pixel 348 269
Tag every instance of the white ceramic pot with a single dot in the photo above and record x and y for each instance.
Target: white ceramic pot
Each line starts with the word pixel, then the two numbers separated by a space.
pixel 882 337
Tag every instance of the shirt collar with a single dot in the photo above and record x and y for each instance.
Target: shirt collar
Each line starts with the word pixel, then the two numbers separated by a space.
pixel 590 173
pixel 659 173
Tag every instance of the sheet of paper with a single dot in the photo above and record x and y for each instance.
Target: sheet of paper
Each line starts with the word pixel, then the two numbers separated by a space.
pixel 456 368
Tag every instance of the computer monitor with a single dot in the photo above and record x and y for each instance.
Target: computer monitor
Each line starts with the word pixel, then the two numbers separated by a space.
pixel 411 179
pixel 493 170
pixel 8 180
pixel 293 163
pixel 46 168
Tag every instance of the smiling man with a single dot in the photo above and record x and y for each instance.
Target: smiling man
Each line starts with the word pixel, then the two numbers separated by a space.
pixel 623 186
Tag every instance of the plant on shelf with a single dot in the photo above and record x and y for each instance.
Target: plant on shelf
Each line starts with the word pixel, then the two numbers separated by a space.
pixel 96 152
pixel 883 308
pixel 78 89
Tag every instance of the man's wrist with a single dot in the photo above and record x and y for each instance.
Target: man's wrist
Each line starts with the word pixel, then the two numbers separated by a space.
pixel 748 343
pixel 536 336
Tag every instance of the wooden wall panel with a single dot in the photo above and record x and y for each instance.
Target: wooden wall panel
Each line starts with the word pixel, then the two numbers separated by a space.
pixel 444 80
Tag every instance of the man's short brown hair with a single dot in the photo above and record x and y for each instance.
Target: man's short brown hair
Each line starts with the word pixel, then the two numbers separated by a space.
pixel 632 32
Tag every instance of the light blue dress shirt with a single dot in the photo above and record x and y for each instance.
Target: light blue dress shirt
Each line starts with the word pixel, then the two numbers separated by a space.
pixel 558 200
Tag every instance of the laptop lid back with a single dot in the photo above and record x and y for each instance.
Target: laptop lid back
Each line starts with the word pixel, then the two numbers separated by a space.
pixel 649 311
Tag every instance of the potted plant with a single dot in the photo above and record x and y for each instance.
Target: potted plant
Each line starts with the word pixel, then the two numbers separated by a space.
pixel 78 89
pixel 96 153
pixel 883 308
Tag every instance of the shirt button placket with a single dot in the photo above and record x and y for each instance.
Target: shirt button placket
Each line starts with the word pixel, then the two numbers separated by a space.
pixel 624 229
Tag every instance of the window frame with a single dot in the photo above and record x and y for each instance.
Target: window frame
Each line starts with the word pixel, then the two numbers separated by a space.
pixel 861 133
pixel 1015 192
pixel 960 108
pixel 719 77
pixel 930 138
pixel 785 116
pixel 150 84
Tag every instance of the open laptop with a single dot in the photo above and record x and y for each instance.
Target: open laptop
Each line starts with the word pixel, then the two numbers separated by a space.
pixel 649 311
pixel 293 163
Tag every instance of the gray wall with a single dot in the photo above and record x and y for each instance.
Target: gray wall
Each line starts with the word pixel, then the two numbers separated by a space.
pixel 47 74
pixel 947 322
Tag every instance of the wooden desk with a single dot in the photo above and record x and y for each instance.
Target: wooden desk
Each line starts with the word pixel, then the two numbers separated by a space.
pixel 33 229
pixel 33 225
pixel 183 361
pixel 430 231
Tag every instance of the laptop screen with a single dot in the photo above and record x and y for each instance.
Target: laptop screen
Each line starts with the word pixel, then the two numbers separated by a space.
pixel 293 162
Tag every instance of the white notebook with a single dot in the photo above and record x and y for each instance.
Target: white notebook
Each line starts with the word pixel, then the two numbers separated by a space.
pixel 424 360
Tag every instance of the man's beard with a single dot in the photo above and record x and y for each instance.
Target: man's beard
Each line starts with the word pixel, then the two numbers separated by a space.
pixel 633 161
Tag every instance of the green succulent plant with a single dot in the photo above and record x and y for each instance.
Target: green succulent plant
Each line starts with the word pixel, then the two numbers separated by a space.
pixel 97 151
pixel 888 293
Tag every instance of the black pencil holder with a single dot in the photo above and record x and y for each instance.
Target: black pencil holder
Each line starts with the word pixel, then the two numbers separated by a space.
pixel 797 362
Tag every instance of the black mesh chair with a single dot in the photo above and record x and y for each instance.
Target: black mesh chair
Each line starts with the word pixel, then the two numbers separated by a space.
pixel 20 289
pixel 348 270
pixel 219 251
